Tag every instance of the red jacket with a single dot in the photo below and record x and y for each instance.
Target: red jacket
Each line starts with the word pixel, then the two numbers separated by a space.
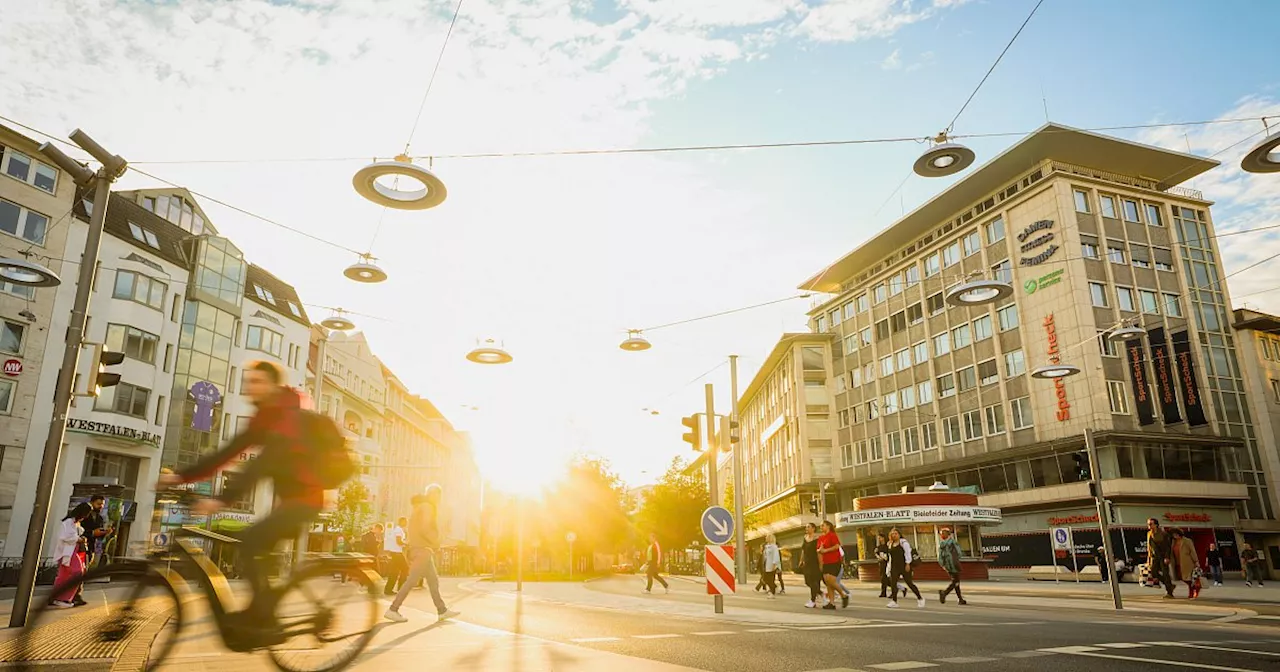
pixel 285 458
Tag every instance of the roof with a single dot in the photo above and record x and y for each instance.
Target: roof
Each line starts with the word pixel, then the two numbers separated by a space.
pixel 121 211
pixel 280 290
pixel 1051 141
pixel 1245 318
pixel 780 349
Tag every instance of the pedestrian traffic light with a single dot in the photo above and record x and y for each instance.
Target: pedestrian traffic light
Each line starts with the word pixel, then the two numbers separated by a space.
pixel 813 504
pixel 1082 465
pixel 102 360
pixel 693 437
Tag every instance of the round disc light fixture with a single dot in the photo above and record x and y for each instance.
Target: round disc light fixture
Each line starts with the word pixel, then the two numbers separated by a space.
pixel 1264 157
pixel 944 158
pixel 1053 371
pixel 27 273
pixel 1126 334
pixel 635 342
pixel 337 322
pixel 489 353
pixel 979 292
pixel 430 195
pixel 365 270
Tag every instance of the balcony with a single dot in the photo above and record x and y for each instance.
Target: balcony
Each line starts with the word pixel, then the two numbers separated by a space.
pixel 1135 182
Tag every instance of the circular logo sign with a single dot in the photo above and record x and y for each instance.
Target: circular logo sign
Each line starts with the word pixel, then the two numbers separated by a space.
pixel 571 537
pixel 12 367
pixel 1061 535
pixel 1031 286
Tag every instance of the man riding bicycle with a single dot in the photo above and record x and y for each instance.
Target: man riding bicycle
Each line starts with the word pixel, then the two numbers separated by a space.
pixel 276 428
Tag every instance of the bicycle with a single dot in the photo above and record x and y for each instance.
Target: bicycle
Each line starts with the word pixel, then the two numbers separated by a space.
pixel 159 594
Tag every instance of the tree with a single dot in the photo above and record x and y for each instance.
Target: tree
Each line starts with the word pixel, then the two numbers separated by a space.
pixel 354 509
pixel 751 518
pixel 673 508
pixel 591 501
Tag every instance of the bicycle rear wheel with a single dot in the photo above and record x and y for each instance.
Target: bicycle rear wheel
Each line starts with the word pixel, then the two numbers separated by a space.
pixel 132 616
pixel 328 621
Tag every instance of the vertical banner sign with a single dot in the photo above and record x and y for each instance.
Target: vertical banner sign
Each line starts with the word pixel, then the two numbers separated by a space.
pixel 1186 368
pixel 1165 378
pixel 719 569
pixel 1141 386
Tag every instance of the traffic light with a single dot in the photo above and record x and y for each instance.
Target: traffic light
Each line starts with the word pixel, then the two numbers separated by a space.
pixel 734 437
pixel 693 437
pixel 102 360
pixel 1082 466
pixel 813 504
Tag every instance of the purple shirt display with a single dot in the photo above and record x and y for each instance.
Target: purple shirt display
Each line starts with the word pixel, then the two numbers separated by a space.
pixel 206 396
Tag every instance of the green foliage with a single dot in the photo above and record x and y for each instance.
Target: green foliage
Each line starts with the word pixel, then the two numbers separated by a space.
pixel 354 510
pixel 673 508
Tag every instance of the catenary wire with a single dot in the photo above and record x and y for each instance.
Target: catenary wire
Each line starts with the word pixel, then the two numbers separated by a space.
pixel 726 312
pixel 992 69
pixel 432 80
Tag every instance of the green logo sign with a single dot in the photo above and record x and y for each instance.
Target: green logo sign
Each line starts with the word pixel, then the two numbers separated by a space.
pixel 1047 280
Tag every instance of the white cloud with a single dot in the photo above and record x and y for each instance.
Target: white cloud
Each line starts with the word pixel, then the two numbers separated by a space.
pixel 850 20
pixel 893 61
pixel 707 13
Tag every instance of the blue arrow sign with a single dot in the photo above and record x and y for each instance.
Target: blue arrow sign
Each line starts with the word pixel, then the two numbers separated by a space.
pixel 717 524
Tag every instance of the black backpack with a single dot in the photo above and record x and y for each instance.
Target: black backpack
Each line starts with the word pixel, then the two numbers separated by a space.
pixel 334 463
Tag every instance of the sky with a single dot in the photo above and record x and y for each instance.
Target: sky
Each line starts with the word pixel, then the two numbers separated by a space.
pixel 556 257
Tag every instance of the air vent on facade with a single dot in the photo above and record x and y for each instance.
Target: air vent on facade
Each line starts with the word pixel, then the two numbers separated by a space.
pixel 966 217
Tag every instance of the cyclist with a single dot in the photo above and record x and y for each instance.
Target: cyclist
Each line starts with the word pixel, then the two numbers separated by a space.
pixel 286 459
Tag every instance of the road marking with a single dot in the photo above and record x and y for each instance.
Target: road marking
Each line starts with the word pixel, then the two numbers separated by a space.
pixel 713 633
pixel 767 630
pixel 1123 645
pixel 1187 645
pixel 904 665
pixel 1071 649
pixel 1155 661
pixel 1027 654
pixel 588 640
pixel 665 636
pixel 966 659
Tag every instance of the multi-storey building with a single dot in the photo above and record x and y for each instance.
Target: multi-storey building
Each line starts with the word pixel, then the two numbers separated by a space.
pixel 35 204
pixel 1093 233
pixel 414 456
pixel 1257 337
pixel 354 394
pixel 785 432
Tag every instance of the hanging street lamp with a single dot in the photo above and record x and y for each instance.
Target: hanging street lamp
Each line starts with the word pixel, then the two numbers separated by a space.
pixel 1264 157
pixel 489 352
pixel 978 292
pixel 28 273
pixel 943 158
pixel 1052 371
pixel 635 342
pixel 365 271
pixel 337 322
pixel 431 194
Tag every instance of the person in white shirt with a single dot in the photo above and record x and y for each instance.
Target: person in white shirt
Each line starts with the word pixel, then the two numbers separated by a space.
pixel 772 563
pixel 397 566
pixel 67 556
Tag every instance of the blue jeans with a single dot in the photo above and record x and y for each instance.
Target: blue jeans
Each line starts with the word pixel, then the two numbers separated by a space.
pixel 1215 571
pixel 840 579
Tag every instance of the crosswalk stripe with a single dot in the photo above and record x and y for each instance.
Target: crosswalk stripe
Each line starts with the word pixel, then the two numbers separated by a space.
pixel 1185 645
pixel 767 630
pixel 903 665
pixel 668 635
pixel 1156 661
pixel 588 640
pixel 1123 645
pixel 712 633
pixel 966 659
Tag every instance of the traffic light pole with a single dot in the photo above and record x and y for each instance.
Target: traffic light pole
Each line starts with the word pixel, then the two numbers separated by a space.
pixel 740 542
pixel 1104 524
pixel 61 403
pixel 712 462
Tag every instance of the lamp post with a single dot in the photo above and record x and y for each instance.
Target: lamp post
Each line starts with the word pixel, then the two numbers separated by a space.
pixel 112 168
pixel 740 533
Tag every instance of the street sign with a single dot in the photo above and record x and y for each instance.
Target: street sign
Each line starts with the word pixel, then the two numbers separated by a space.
pixel 571 537
pixel 1061 538
pixel 717 524
pixel 160 540
pixel 719 570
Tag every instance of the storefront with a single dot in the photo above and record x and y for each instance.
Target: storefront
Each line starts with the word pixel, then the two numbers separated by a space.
pixel 918 516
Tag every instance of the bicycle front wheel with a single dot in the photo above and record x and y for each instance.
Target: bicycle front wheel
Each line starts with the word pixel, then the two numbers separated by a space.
pixel 130 614
pixel 328 620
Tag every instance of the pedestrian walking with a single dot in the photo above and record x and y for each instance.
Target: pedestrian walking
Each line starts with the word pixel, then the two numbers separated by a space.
pixel 397 565
pixel 882 554
pixel 1185 563
pixel 1159 562
pixel 653 563
pixel 782 585
pixel 772 561
pixel 67 555
pixel 811 565
pixel 949 558
pixel 899 562
pixel 96 530
pixel 1213 561
pixel 371 544
pixel 829 554
pixel 423 543
pixel 1252 565
pixel 1100 557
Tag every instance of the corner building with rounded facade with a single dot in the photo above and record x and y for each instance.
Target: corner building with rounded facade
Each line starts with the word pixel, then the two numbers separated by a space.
pixel 1093 233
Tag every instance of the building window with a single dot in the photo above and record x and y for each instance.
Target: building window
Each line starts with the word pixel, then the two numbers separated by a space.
pixel 11 336
pixel 1082 201
pixel 1124 298
pixel 995 419
pixel 988 372
pixel 951 430
pixel 967 378
pixel 1008 317
pixel 1108 346
pixel 982 328
pixel 972 425
pixel 861 304
pixel 123 398
pixel 834 318
pixel 904 359
pixel 23 291
pixel 868 373
pixel 1003 271
pixel 264 294
pixel 946 385
pixel 907 397
pixel 1163 258
pixel 898 322
pixel 951 254
pixel 878 294
pixel 932 265
pixel 972 243
pixel 844 418
pixel 1153 215
pixel 1020 410
pixel 890 403
pixel 133 342
pixel 846 457
pixel 882 330
pixel 925 392
pixel 160 406
pixel 1131 211
pixel 1119 402
pixel 876 453
pixel 912 274
pixel 929 436
pixel 1115 253
pixel 122 468
pixel 139 288
pixel 941 344
pixel 1150 304
pixel 1015 363
pixel 961 336
pixel 911 440
pixel 263 340
pixel 886 365
pixel 1172 304
pixel 20 222
pixel 1098 294
pixel 1088 248
pixel 995 230
pixel 921 352
pixel 895 444
pixel 937 303
pixel 895 285
pixel 34 172
pixel 850 344
pixel 915 314
pixel 865 336
pixel 6 396
pixel 144 236
pixel 1140 256
pixel 847 309
pixel 855 378
pixel 873 409
pixel 1107 205
pixel 1275 388
pixel 820 324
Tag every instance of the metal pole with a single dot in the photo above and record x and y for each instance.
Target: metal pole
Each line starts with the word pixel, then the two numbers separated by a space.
pixel 61 404
pixel 1103 523
pixel 712 463
pixel 519 547
pixel 740 543
pixel 571 561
